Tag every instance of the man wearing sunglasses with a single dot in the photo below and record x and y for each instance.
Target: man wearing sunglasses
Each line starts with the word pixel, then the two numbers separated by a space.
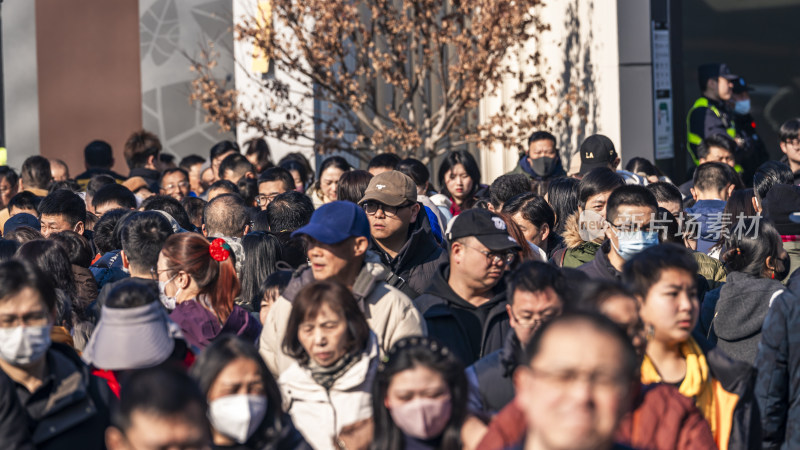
pixel 465 304
pixel 401 233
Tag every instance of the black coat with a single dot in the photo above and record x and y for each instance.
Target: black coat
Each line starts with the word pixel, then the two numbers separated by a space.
pixel 600 267
pixel 490 378
pixel 13 430
pixel 778 362
pixel 443 311
pixel 415 265
pixel 77 410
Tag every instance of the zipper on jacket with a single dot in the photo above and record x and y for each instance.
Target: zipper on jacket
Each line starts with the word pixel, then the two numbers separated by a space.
pixel 711 325
pixel 339 443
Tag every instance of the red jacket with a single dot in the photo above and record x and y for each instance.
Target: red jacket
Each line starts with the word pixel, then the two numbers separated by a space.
pixel 662 419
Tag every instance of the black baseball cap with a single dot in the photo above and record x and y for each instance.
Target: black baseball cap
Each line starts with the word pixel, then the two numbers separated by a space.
pixel 596 151
pixel 740 85
pixel 486 226
pixel 712 71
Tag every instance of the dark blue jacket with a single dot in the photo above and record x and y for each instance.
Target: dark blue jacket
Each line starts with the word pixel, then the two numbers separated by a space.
pixel 708 214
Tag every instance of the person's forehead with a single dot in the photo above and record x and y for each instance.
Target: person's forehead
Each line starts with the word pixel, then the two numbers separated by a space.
pixel 26 300
pixel 577 345
pixel 541 299
pixel 165 431
pixel 53 218
pixel 633 214
pixel 543 144
pixel 271 186
pixel 715 149
pixel 174 175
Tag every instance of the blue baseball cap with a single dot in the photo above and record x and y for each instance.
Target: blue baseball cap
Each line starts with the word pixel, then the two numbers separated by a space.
pixel 336 221
pixel 21 220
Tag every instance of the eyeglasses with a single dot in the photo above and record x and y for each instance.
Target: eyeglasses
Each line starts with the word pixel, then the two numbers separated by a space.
pixel 264 199
pixel 564 379
pixel 31 319
pixel 506 257
pixel 180 184
pixel 372 208
pixel 794 142
pixel 536 320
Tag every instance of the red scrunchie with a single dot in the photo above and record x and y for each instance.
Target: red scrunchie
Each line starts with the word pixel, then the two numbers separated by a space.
pixel 219 249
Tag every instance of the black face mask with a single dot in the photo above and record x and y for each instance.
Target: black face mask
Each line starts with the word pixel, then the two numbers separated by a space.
pixel 543 165
pixel 782 268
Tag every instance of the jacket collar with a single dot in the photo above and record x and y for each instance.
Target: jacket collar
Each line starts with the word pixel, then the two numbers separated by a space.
pixel 439 293
pixel 372 273
pixel 420 239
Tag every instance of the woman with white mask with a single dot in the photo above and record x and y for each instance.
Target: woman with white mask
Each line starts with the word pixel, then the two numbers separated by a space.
pixel 244 402
pixel 419 398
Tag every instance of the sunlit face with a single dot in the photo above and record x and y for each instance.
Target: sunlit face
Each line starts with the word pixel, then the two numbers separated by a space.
pixel 542 148
pixel 176 185
pixel 215 163
pixel 59 172
pixel 629 218
pixel 299 183
pixel 266 303
pixel 533 234
pixel 624 311
pixel 195 178
pixel 324 337
pixel 458 183
pixel 240 376
pixel 671 306
pixel 25 308
pixel 719 154
pixel 56 223
pixel 328 261
pixel 471 264
pixel 267 191
pixel 384 226
pixel 597 203
pixel 329 181
pixel 574 393
pixel 724 88
pixel 530 310
pixel 6 192
pixel 414 383
pixel 791 148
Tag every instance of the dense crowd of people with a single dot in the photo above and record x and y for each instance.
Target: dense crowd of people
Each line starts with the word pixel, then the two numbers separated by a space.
pixel 231 302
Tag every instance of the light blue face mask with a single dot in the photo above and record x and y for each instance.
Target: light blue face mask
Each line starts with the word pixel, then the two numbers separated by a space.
pixel 742 107
pixel 633 242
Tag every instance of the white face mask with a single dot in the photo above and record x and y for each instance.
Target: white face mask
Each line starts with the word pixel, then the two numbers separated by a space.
pixel 169 302
pixel 237 416
pixel 23 345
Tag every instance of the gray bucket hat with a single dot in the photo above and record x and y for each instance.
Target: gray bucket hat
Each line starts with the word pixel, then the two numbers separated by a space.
pixel 131 338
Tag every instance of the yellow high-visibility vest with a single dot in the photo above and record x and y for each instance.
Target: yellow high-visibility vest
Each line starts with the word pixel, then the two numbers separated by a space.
pixel 696 139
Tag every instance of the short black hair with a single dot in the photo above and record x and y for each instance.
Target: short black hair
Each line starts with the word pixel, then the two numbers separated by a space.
pixel 630 195
pixel 277 174
pixel 16 275
pixel 594 293
pixel 97 182
pixel 352 186
pixel 630 361
pixel 165 391
pixel 64 203
pixel 664 191
pixel 415 170
pixel 597 181
pixel 506 186
pixel 532 208
pixel 139 147
pixel 562 196
pixel 114 193
pixel 221 147
pixel 170 206
pixel 223 185
pixel 8 248
pixel 131 293
pixel 188 161
pixel 259 148
pixel 25 200
pixel 713 176
pixel 105 239
pixel 388 160
pixel 236 163
pixel 35 172
pixel 166 158
pixel 98 154
pixel 76 246
pixel 289 211
pixel 535 276
pixel 644 269
pixel 9 175
pixel 769 174
pixel 260 221
pixel 226 215
pixel 540 136
pixel 70 185
pixel 194 207
pixel 142 236
pixel 722 141
pixel 248 190
pixel 789 130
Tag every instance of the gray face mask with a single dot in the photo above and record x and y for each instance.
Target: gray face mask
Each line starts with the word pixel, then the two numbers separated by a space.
pixel 20 346
pixel 543 165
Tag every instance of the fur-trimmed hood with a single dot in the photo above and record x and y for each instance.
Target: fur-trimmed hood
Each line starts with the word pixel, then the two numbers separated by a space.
pixel 572 232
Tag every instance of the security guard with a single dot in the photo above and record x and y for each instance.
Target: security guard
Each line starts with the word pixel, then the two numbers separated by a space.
pixel 752 150
pixel 709 114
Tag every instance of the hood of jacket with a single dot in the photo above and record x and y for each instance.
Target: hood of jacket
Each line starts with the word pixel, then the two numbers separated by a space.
pixel 372 273
pixel 200 326
pixel 439 294
pixel 572 232
pixel 742 306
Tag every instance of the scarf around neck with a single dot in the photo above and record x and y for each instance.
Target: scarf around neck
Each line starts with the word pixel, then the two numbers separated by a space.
pixel 326 376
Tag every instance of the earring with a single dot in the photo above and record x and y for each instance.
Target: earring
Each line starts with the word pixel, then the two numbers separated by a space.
pixel 650 332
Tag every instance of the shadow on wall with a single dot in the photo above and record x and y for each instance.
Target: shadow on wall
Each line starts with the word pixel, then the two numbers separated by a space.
pixel 577 108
